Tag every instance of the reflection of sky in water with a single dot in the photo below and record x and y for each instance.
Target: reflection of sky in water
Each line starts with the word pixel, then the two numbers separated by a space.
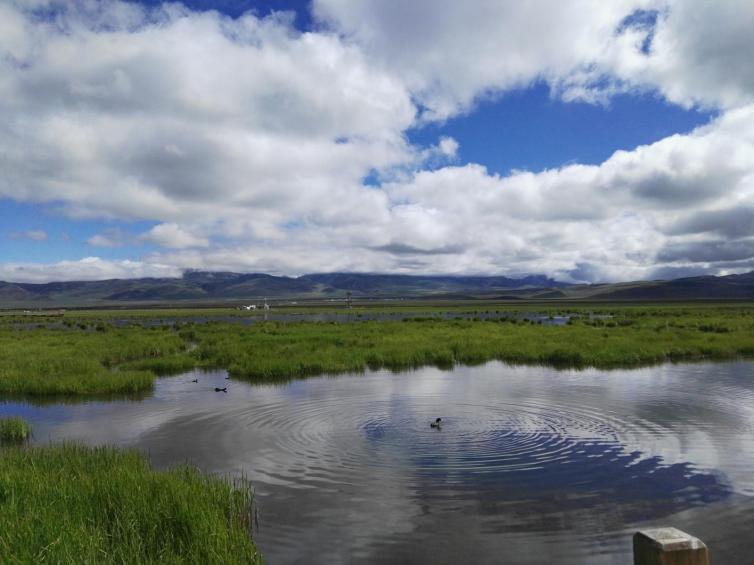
pixel 532 464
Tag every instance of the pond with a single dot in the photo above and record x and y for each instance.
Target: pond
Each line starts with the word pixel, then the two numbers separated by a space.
pixel 531 464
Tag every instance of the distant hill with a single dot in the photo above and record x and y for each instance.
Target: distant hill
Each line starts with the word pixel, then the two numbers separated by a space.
pixel 207 287
pixel 689 288
pixel 201 286
pixel 402 285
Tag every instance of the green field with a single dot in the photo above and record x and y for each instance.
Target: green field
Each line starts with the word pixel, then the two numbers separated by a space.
pixel 73 504
pixel 85 353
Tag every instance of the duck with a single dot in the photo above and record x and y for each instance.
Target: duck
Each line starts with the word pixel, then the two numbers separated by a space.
pixel 195 381
pixel 218 389
pixel 436 424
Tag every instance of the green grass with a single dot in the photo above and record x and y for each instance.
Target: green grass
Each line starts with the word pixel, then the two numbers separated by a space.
pixel 14 431
pixel 73 504
pixel 276 351
pixel 75 361
pixel 90 356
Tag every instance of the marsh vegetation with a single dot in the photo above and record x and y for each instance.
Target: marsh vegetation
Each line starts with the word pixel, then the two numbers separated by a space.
pixel 78 361
pixel 14 431
pixel 89 355
pixel 74 504
pixel 64 503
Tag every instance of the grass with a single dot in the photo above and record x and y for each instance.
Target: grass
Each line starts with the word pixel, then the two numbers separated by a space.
pixel 275 351
pixel 90 356
pixel 73 504
pixel 80 361
pixel 14 431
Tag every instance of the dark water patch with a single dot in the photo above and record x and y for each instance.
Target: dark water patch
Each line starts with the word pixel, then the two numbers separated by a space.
pixel 531 465
pixel 344 317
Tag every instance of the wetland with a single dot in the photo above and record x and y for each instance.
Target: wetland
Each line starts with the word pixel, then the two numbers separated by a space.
pixel 558 440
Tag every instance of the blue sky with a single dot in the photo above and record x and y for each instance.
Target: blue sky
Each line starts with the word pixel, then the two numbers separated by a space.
pixel 528 129
pixel 369 136
pixel 66 238
pixel 237 8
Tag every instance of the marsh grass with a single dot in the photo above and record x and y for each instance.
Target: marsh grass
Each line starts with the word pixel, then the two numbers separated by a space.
pixel 74 504
pixel 14 431
pixel 166 365
pixel 630 337
pixel 75 362
pixel 125 360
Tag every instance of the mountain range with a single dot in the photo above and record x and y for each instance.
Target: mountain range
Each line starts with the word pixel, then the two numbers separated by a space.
pixel 203 287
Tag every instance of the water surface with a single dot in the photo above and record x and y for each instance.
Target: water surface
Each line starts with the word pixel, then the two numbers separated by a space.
pixel 532 465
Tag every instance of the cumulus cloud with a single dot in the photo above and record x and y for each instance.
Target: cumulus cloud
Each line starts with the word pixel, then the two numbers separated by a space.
pixel 172 235
pixel 451 53
pixel 127 115
pixel 708 251
pixel 730 222
pixel 700 53
pixel 622 217
pixel 31 235
pixel 250 143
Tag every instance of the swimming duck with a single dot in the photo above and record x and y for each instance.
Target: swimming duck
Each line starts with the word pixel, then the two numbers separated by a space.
pixel 436 424
pixel 218 389
pixel 195 381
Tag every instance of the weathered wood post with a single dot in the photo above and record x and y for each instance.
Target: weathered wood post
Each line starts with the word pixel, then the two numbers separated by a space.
pixel 668 546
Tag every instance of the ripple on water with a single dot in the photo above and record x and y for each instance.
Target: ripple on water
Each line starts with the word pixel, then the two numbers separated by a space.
pixel 327 441
pixel 349 469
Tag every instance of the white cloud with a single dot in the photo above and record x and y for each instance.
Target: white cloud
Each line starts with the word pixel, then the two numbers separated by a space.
pixel 448 146
pixel 32 235
pixel 249 142
pixel 173 236
pixel 633 213
pixel 450 52
pixel 700 54
pixel 171 115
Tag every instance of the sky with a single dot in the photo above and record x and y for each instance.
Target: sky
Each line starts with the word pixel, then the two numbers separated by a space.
pixel 586 140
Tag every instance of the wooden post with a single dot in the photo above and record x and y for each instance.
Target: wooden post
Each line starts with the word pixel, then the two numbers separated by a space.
pixel 668 546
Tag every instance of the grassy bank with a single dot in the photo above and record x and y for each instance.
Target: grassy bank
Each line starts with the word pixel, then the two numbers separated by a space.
pixel 279 351
pixel 96 358
pixel 14 431
pixel 72 504
pixel 80 361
